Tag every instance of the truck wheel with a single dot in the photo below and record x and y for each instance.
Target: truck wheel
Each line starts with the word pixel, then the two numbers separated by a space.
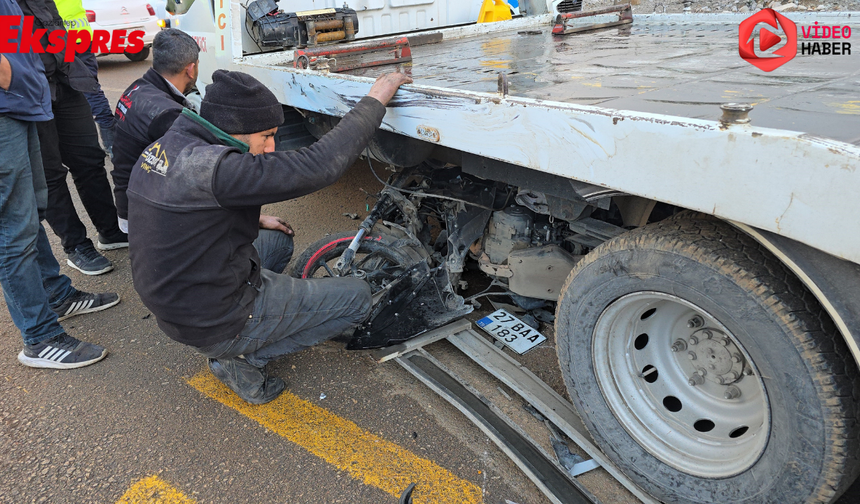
pixel 706 370
pixel 376 261
pixel 138 56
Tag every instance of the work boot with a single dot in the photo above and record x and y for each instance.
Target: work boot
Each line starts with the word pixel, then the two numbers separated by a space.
pixel 250 383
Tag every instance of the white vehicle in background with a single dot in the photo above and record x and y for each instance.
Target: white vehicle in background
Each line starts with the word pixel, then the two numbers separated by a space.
pixel 112 15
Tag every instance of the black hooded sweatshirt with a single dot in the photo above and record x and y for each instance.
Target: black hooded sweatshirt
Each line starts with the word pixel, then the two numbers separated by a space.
pixel 194 208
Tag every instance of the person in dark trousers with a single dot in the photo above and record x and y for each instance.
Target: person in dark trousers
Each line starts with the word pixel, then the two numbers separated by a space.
pixel 70 143
pixel 75 18
pixel 100 105
pixel 37 295
pixel 194 210
pixel 147 109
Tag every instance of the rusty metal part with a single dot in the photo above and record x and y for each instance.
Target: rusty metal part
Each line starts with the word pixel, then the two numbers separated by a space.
pixel 356 55
pixel 330 36
pixel 330 24
pixel 569 22
pixel 735 113
pixel 349 28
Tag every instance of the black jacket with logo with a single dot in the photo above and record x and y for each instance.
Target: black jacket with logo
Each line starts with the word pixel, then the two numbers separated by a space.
pixel 144 113
pixel 74 74
pixel 194 207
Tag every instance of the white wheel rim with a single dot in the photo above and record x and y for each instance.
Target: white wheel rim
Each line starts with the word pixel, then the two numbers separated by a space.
pixel 696 429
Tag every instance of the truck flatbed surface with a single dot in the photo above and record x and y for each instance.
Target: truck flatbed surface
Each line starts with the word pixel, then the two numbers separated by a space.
pixel 674 64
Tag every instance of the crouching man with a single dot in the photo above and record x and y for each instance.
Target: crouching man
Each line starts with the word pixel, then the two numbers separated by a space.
pixel 194 203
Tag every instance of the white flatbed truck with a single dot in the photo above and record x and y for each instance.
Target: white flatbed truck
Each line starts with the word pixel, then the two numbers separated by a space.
pixel 708 329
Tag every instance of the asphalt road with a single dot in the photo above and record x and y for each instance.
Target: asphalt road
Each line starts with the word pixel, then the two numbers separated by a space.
pixel 95 434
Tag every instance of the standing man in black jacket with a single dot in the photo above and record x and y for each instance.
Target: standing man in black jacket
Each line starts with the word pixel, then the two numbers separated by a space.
pixel 147 109
pixel 70 143
pixel 194 204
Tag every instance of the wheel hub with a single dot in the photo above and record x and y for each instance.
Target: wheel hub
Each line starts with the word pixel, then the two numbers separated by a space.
pixel 714 356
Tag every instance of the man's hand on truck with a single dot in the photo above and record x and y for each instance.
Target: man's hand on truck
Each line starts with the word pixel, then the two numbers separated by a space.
pixel 386 85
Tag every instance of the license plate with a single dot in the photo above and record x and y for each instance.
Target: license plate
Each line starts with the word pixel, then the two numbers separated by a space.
pixel 511 331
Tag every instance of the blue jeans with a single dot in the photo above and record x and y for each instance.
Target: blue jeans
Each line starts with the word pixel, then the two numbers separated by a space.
pixel 275 249
pixel 29 272
pixel 292 314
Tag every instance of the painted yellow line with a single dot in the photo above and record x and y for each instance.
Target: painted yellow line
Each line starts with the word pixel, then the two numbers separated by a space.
pixel 153 490
pixel 365 456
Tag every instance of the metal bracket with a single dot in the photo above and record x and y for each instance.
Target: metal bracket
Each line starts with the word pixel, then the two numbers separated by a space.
pixel 577 22
pixel 356 55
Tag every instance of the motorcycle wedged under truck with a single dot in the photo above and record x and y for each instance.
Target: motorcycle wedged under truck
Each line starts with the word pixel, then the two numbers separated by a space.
pixel 704 267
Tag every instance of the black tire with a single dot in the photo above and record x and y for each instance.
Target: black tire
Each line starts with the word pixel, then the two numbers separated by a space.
pixel 383 261
pixel 808 374
pixel 138 56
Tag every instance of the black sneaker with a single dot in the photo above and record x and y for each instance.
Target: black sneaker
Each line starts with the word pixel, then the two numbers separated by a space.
pixel 83 302
pixel 88 261
pixel 62 352
pixel 113 242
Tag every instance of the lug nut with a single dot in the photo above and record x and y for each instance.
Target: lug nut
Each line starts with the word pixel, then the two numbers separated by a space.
pixel 721 380
pixel 736 358
pixel 733 375
pixel 679 345
pixel 696 379
pixel 712 367
pixel 748 371
pixel 695 322
pixel 691 355
pixel 724 342
pixel 693 340
pixel 708 334
pixel 732 392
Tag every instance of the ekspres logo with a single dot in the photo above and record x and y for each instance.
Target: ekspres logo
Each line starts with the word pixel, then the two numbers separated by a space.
pixel 836 43
pixel 761 58
pixel 74 41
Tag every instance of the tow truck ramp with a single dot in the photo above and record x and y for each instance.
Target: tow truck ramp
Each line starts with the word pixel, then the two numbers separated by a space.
pixel 542 469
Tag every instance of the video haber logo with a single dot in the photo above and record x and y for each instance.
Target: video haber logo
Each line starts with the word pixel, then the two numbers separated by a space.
pixel 767 62
pixel 77 41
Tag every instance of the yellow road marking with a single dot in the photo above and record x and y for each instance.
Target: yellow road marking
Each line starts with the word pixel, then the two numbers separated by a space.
pixel 343 444
pixel 153 490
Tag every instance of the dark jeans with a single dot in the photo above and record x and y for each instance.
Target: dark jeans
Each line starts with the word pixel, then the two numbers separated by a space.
pixel 97 100
pixel 291 314
pixel 70 140
pixel 29 273
pixel 275 249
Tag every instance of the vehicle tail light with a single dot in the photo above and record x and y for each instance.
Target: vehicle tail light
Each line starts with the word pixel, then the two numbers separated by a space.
pixel 91 16
pixel 150 9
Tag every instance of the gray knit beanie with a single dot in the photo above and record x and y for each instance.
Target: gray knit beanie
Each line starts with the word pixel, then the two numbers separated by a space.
pixel 239 104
